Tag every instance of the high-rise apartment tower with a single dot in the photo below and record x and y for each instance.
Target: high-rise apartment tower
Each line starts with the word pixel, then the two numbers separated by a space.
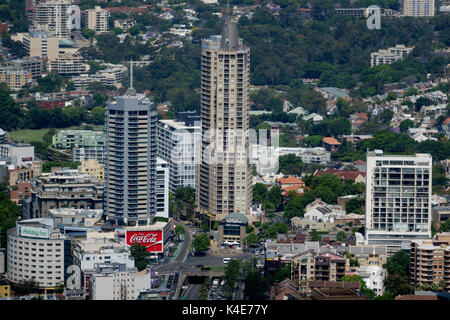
pixel 131 141
pixel 398 199
pixel 225 173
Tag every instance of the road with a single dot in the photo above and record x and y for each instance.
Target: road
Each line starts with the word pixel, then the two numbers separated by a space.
pixel 193 292
pixel 183 261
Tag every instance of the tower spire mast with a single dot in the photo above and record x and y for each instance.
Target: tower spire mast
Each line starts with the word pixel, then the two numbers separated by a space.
pixel 131 91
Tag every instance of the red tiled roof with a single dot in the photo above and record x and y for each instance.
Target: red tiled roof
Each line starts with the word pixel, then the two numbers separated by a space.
pixel 331 140
pixel 293 188
pixel 343 174
pixel 446 120
pixel 290 180
pixel 363 115
pixel 360 163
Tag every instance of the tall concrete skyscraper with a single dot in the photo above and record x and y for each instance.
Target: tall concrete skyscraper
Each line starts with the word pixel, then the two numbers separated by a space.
pixel 225 173
pixel 131 124
pixel 398 199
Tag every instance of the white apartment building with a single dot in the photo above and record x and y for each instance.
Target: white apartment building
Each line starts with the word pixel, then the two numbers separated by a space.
pixel 20 154
pixel 162 188
pixel 390 55
pixel 398 199
pixel 178 145
pixel 100 248
pixel 69 65
pixel 85 144
pixel 37 251
pixel 52 16
pixel 89 260
pixel 418 8
pixel 75 217
pixel 112 76
pixel 373 276
pixel 97 19
pixel 119 283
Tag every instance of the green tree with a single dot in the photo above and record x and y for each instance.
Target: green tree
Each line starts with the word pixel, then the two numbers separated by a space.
pixel 275 197
pixel 187 194
pixel 251 239
pixel 201 242
pixel 25 287
pixel 343 107
pixel 70 86
pixel 98 115
pixel 179 230
pixel 290 164
pixel 314 235
pixel 341 236
pixel 439 176
pixel 256 284
pixel 9 213
pixel 398 264
pixel 294 207
pixel 364 289
pixel 397 285
pixel 353 206
pixel 88 33
pixel 406 124
pixel 232 273
pixel 140 255
pixel 445 226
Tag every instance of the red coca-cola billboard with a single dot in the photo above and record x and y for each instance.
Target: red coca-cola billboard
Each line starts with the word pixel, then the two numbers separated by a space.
pixel 153 239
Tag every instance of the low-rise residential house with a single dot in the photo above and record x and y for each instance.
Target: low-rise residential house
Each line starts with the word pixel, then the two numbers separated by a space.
pixel 354 138
pixel 368 255
pixel 353 218
pixel 298 237
pixel 124 24
pixel 356 176
pixel 280 290
pixel 330 144
pixel 291 183
pixel 319 210
pixel 307 224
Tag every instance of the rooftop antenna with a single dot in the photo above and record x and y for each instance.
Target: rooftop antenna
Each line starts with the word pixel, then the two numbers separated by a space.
pixel 131 91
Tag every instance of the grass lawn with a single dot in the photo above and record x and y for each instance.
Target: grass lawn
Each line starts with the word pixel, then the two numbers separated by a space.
pixel 218 268
pixel 27 135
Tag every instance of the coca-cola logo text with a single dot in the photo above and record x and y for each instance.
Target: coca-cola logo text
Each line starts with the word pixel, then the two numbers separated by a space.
pixel 148 238
pixel 151 239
